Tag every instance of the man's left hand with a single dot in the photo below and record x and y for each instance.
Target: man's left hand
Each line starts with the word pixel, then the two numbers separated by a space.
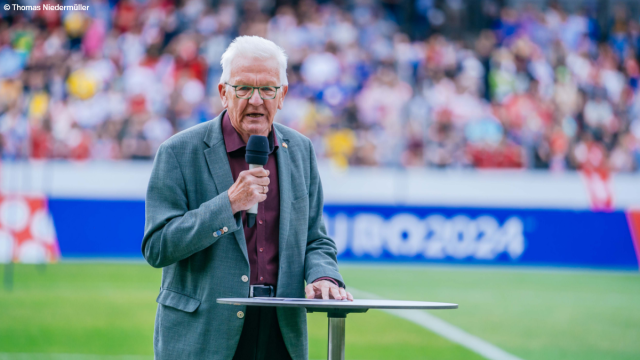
pixel 325 290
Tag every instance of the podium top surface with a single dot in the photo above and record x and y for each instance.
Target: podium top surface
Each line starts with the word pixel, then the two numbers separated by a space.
pixel 337 304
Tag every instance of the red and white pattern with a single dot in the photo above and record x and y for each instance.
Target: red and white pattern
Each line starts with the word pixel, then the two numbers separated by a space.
pixel 598 183
pixel 27 233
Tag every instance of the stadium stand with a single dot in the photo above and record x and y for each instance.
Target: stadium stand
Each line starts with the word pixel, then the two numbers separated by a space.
pixel 528 87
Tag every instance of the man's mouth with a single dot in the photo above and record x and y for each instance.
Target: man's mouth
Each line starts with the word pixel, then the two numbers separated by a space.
pixel 255 115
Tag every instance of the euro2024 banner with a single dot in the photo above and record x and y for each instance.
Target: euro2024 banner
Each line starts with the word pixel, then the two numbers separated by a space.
pixel 484 235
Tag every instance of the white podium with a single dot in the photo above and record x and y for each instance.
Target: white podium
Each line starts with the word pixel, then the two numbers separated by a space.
pixel 337 311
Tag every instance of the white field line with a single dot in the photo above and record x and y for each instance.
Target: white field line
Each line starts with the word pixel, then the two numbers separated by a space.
pixel 446 330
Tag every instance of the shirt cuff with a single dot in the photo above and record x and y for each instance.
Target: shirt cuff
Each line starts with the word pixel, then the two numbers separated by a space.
pixel 334 281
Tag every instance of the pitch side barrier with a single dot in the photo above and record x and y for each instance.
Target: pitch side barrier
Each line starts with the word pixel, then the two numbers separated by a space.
pixel 483 217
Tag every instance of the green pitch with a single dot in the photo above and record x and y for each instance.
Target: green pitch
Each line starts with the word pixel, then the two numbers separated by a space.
pixel 106 312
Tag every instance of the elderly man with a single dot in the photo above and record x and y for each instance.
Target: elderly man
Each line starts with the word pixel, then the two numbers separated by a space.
pixel 196 226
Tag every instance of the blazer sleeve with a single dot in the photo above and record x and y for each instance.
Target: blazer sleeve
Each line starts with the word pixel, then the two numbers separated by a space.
pixel 321 253
pixel 172 232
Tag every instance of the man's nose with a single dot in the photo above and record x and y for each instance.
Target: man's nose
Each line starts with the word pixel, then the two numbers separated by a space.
pixel 255 98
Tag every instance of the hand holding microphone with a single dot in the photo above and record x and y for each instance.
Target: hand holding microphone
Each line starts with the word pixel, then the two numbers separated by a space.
pixel 252 185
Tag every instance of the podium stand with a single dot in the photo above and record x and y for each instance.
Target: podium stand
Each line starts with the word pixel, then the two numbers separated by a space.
pixel 337 311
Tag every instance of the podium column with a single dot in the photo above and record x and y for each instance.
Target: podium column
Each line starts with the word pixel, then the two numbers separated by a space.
pixel 336 341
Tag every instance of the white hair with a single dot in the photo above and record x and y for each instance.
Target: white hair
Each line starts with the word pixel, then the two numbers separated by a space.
pixel 253 46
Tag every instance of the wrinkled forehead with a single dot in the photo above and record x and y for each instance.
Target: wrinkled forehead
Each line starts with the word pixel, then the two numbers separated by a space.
pixel 254 71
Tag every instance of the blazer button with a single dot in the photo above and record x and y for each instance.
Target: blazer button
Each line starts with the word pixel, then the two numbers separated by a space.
pixel 245 278
pixel 225 229
pixel 215 234
pixel 240 314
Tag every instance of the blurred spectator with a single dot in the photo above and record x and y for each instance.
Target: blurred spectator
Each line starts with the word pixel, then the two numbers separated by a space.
pixel 526 88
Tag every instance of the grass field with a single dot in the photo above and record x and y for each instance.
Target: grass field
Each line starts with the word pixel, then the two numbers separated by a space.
pixel 106 311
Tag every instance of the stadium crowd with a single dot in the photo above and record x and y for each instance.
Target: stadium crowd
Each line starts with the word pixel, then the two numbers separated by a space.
pixel 536 88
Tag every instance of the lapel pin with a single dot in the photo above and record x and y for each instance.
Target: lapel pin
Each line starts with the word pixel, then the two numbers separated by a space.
pixel 285 145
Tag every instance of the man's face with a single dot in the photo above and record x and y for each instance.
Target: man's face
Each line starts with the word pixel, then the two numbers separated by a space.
pixel 252 116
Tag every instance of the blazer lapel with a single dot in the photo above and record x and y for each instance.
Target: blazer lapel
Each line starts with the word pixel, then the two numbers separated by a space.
pixel 284 183
pixel 218 164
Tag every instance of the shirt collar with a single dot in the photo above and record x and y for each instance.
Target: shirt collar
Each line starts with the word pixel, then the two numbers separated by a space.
pixel 233 141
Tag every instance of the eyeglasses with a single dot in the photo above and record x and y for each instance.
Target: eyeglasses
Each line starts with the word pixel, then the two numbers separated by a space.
pixel 246 91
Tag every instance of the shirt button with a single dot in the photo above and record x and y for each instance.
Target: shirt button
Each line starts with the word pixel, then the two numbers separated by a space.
pixel 245 278
pixel 261 249
pixel 225 229
pixel 261 278
pixel 260 221
pixel 240 314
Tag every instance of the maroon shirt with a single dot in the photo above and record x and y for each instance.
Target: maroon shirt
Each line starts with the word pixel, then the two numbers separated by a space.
pixel 263 237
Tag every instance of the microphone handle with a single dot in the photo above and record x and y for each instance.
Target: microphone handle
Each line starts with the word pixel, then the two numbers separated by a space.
pixel 254 208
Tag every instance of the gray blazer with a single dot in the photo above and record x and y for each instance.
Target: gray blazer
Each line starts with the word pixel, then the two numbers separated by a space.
pixel 187 202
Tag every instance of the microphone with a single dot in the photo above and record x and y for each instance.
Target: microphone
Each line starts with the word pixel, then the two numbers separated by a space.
pixel 256 156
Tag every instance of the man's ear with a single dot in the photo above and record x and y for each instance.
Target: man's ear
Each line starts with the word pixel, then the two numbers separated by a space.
pixel 285 88
pixel 222 90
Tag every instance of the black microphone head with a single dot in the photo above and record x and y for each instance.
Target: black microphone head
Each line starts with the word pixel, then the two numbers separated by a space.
pixel 257 150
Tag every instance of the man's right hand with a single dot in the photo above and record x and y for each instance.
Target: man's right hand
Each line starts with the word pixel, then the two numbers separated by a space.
pixel 250 188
